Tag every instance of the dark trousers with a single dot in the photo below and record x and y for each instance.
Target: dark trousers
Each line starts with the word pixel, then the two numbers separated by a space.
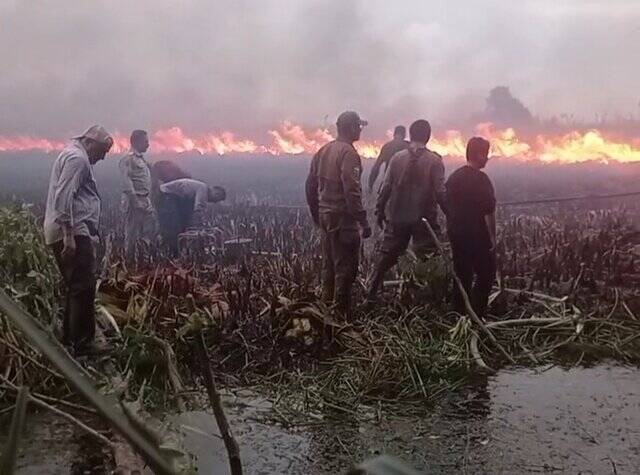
pixel 475 265
pixel 78 275
pixel 340 259
pixel 395 243
pixel 174 216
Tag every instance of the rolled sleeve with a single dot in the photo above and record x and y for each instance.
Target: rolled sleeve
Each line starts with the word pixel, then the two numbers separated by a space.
pixel 351 172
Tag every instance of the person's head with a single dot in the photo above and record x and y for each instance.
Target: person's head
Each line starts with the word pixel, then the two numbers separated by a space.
pixel 350 126
pixel 140 141
pixel 216 194
pixel 97 142
pixel 420 131
pixel 400 132
pixel 478 151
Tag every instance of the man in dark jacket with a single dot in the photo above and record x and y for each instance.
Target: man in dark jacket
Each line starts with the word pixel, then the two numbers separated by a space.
pixel 334 196
pixel 412 189
pixel 387 151
pixel 472 226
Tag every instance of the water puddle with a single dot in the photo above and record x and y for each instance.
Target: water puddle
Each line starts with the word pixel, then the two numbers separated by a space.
pixel 581 420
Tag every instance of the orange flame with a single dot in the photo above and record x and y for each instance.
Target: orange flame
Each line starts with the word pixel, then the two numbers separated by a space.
pixel 26 142
pixel 592 145
pixel 293 139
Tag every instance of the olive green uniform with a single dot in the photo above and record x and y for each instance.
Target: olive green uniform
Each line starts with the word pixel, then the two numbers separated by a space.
pixel 412 190
pixel 334 196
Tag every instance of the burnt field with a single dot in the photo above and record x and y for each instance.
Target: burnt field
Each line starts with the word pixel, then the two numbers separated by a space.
pixel 566 296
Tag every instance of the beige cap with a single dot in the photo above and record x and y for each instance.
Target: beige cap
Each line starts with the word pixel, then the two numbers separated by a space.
pixel 97 133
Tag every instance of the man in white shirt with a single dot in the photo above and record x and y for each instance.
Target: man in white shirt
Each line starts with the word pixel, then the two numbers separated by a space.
pixel 71 228
pixel 140 217
pixel 183 204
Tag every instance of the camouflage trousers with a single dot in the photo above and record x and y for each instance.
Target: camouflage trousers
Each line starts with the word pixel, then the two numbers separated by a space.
pixel 140 222
pixel 340 259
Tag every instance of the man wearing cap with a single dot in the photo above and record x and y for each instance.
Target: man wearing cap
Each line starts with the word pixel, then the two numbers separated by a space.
pixel 412 190
pixel 71 229
pixel 183 203
pixel 472 227
pixel 387 151
pixel 334 196
pixel 140 218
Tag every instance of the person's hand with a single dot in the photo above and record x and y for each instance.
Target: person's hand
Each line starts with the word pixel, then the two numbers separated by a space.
pixel 366 231
pixel 69 247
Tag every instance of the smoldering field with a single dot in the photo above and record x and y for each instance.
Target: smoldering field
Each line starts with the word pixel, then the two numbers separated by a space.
pixel 280 180
pixel 324 393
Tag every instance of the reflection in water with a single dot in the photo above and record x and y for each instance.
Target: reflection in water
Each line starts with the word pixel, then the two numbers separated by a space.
pixel 523 420
pixel 582 420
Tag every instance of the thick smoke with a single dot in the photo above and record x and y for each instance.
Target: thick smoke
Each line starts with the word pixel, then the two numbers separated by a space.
pixel 504 110
pixel 245 66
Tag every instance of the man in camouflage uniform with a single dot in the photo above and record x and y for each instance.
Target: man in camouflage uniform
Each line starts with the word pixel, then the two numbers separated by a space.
pixel 140 216
pixel 387 151
pixel 334 196
pixel 412 189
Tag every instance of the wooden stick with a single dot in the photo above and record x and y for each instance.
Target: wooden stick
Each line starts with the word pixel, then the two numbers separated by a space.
pixel 69 404
pixel 465 298
pixel 66 415
pixel 230 443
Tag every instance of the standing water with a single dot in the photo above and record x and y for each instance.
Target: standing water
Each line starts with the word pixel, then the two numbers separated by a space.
pixel 580 420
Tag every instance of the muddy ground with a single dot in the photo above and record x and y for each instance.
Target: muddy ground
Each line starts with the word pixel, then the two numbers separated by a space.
pixel 545 420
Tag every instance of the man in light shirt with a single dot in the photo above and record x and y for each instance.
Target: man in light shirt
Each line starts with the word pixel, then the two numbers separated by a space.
pixel 183 204
pixel 140 217
pixel 71 229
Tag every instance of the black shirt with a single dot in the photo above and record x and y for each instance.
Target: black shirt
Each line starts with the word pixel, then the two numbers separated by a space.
pixel 470 197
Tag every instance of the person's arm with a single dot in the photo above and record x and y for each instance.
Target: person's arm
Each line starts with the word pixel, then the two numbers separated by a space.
pixel 437 182
pixel 490 213
pixel 69 182
pixel 490 220
pixel 350 175
pixel 311 190
pixel 125 175
pixel 384 194
pixel 375 171
pixel 200 205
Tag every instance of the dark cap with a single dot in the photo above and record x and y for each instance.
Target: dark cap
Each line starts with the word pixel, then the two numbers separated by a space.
pixel 350 118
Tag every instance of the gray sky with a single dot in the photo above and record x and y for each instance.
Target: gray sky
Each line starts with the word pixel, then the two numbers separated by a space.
pixel 246 65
